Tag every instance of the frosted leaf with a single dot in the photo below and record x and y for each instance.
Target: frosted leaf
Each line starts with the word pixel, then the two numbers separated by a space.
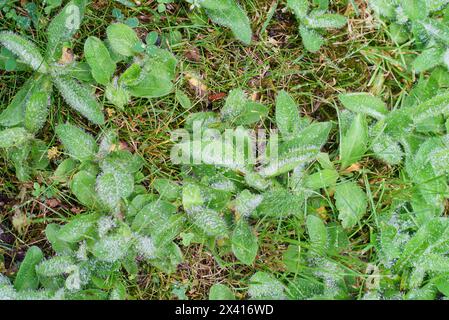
pixel 81 253
pixel 435 5
pixel 13 137
pixel 73 281
pixel 36 111
pixel 113 186
pixel 145 246
pixel 429 58
pixel 4 280
pixel 80 99
pixel 299 7
pixel 223 184
pixel 437 29
pixel 288 119
pixel 288 162
pixel 105 224
pixel 79 227
pixel 265 286
pixel 246 202
pixel 234 105
pixel 117 94
pixel 437 105
pixel 388 150
pixel 63 26
pixel 446 58
pixel 7 292
pixel 384 8
pixel 401 16
pixel 311 39
pixel 364 103
pixel 14 114
pixel 24 49
pixel 208 220
pixel 296 182
pixel 55 266
pixel 108 143
pixel 112 248
pixel 255 180
pixel 279 203
pixel 78 144
pixel 326 21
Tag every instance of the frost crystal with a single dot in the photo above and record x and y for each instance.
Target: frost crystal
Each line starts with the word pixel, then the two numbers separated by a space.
pixel 81 254
pixel 446 58
pixel 105 224
pixel 145 247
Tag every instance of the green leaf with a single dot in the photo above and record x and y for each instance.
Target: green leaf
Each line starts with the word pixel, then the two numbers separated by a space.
pixel 13 137
pixel 59 246
pixel 78 144
pixel 14 114
pixel 415 10
pixel 156 77
pixel 99 60
pixel 80 99
pixel 229 14
pixel 26 278
pixel 168 189
pixel 25 50
pixel 299 7
pixel 121 161
pixel 311 39
pixel 138 203
pixel 220 292
pixel 78 227
pixel 112 187
pixel 322 179
pixel 353 144
pixel 264 286
pixel 122 39
pixel 117 95
pixel 317 234
pixel 64 26
pixel 83 187
pixel 19 157
pixel 64 170
pixel 168 259
pixel 351 203
pixel 365 103
pixel 288 120
pixel 244 243
pixel 39 155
